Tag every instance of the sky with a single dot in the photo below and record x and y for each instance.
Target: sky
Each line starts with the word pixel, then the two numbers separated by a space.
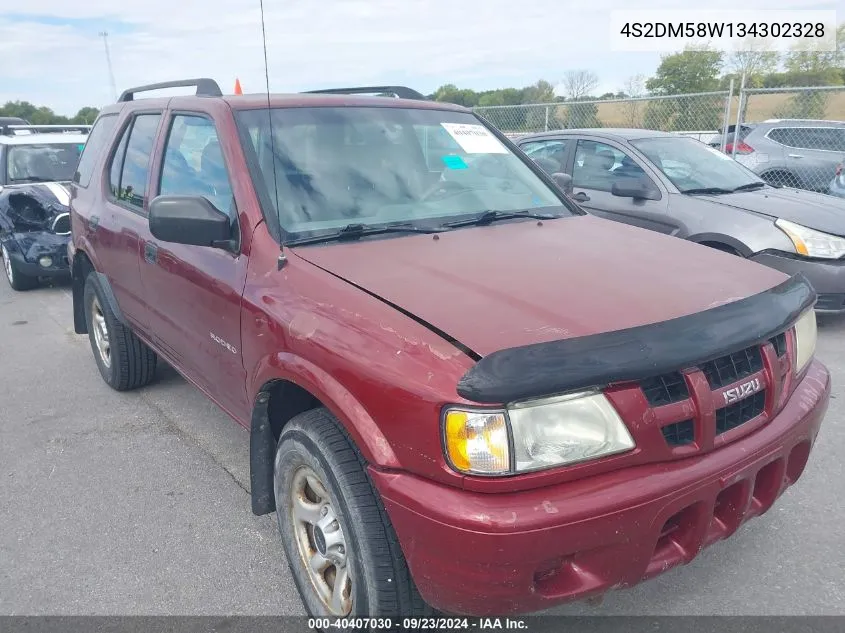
pixel 52 54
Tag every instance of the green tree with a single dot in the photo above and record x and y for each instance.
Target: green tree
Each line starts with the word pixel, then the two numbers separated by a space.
pixel 816 60
pixel 86 115
pixel 575 113
pixel 20 109
pixel 450 93
pixel 44 115
pixel 812 68
pixel 754 64
pixel 687 72
pixel 540 92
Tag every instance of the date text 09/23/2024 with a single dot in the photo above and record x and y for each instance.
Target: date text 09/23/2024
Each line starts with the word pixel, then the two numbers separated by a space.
pixel 418 624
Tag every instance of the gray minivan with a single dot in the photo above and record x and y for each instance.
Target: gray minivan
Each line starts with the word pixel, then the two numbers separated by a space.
pixel 680 186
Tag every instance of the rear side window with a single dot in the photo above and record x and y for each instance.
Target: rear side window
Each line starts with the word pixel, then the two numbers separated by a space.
pixel 550 155
pixel 117 163
pixel 96 141
pixel 131 163
pixel 824 138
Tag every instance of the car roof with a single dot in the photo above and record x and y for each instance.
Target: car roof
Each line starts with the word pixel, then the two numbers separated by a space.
pixel 294 100
pixel 615 133
pixel 304 100
pixel 801 122
pixel 42 139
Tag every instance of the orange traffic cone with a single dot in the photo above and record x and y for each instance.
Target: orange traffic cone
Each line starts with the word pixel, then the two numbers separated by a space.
pixel 238 90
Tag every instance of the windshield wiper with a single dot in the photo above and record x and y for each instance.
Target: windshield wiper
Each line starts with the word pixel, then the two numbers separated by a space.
pixel 708 190
pixel 489 217
pixel 751 186
pixel 357 231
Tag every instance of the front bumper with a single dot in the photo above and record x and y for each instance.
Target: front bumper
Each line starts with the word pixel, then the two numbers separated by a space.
pixel 495 554
pixel 28 248
pixel 826 276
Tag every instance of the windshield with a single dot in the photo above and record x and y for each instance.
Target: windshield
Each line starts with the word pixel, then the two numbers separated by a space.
pixel 378 165
pixel 691 165
pixel 43 162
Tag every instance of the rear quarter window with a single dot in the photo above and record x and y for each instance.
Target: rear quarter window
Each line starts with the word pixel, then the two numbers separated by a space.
pixel 97 140
pixel 829 139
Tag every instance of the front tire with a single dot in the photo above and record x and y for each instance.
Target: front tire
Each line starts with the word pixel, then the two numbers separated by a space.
pixel 17 280
pixel 125 361
pixel 341 548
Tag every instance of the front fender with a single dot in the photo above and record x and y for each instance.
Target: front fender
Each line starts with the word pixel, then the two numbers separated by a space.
pixel 334 396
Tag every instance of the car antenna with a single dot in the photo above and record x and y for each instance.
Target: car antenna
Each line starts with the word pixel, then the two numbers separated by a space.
pixel 282 257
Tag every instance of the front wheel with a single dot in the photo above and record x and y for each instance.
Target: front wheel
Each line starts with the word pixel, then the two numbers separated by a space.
pixel 17 280
pixel 341 548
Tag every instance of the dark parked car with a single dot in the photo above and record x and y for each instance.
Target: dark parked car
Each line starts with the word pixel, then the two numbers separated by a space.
pixel 462 391
pixel 36 166
pixel 680 186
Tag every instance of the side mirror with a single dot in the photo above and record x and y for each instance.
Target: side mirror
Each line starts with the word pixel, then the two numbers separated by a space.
pixel 191 220
pixel 635 188
pixel 564 181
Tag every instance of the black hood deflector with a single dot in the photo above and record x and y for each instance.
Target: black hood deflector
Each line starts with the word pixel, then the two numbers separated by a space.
pixel 545 369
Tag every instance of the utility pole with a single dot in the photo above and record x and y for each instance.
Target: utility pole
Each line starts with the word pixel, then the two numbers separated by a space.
pixel 105 36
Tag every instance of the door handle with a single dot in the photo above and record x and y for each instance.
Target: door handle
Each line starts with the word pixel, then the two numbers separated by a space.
pixel 581 197
pixel 150 252
pixel 796 156
pixel 94 222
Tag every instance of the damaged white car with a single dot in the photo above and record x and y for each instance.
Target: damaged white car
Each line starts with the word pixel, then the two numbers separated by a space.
pixel 37 162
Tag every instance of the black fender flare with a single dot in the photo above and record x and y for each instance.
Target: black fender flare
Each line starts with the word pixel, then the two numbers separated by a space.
pixel 262 453
pixel 80 325
pixel 721 238
pixel 108 295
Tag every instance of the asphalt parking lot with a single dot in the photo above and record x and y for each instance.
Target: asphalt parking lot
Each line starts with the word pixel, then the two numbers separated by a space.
pixel 137 503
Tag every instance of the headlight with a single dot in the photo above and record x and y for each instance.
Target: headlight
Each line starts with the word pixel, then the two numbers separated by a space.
pixel 805 339
pixel 477 442
pixel 543 434
pixel 812 243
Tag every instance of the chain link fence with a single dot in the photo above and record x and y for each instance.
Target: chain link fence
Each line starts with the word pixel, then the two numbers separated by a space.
pixel 699 114
pixel 789 136
pixel 793 137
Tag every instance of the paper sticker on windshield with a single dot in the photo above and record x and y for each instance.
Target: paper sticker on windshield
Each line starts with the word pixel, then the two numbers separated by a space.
pixel 474 139
pixel 454 162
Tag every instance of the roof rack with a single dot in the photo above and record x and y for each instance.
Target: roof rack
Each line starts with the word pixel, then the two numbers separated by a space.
pixel 9 130
pixel 399 92
pixel 205 88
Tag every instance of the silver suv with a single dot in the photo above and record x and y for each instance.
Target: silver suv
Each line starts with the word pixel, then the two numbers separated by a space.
pixel 790 152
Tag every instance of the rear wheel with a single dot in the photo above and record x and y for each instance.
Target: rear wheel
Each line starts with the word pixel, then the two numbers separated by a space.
pixel 17 280
pixel 341 548
pixel 125 361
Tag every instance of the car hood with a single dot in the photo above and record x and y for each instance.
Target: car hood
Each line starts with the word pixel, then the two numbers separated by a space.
pixel 39 206
pixel 814 210
pixel 512 284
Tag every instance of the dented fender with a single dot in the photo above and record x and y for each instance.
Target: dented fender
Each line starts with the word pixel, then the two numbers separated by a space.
pixel 337 399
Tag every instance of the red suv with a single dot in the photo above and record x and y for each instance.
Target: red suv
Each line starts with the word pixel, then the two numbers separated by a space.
pixel 463 393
